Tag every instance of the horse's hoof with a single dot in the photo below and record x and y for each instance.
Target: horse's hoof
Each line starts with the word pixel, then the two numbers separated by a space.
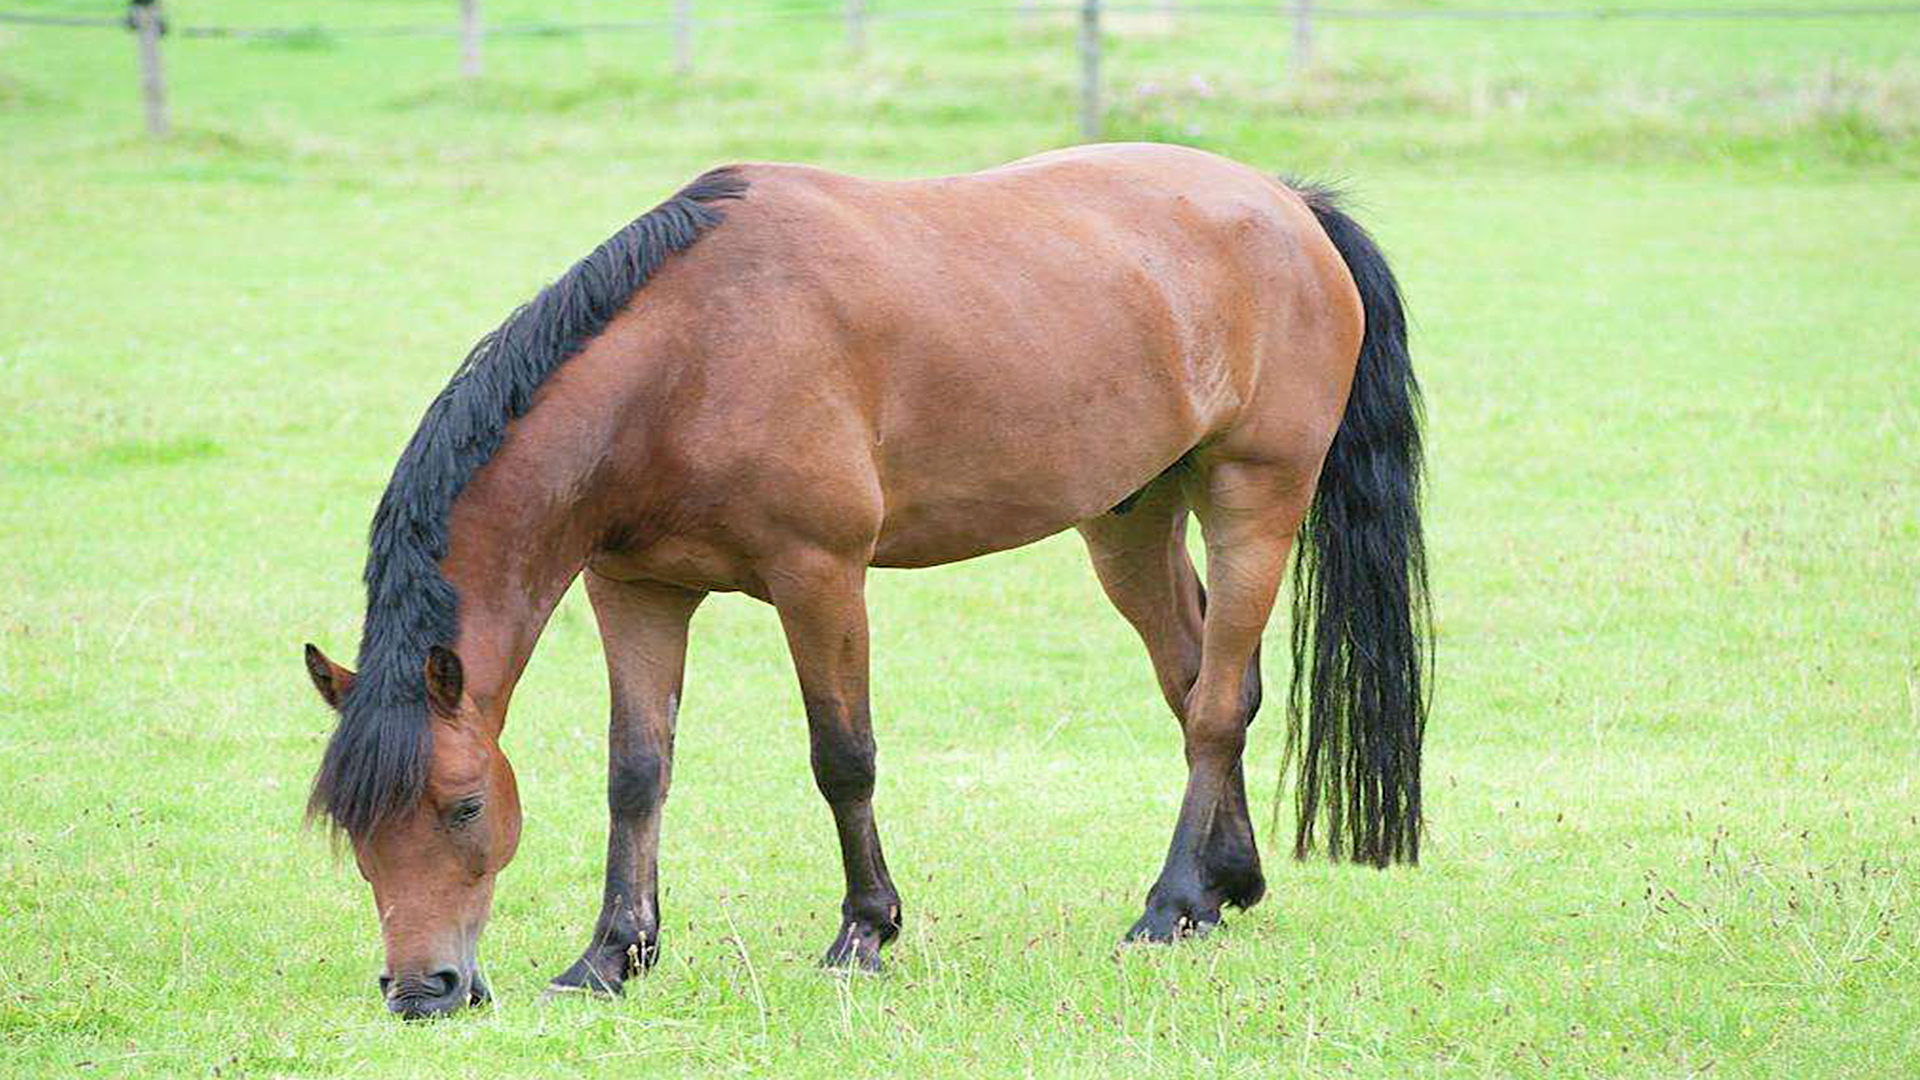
pixel 557 989
pixel 855 951
pixel 1164 925
pixel 853 961
pixel 583 978
pixel 852 965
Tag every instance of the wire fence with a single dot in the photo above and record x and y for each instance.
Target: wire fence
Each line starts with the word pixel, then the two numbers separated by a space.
pixel 857 13
pixel 149 26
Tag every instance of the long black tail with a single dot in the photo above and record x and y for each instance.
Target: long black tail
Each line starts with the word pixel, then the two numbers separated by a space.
pixel 1357 708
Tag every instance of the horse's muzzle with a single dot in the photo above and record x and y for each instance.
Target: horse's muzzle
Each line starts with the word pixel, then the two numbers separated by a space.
pixel 420 997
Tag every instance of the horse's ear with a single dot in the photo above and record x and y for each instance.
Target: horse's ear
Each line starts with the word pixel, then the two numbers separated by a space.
pixel 445 678
pixel 332 680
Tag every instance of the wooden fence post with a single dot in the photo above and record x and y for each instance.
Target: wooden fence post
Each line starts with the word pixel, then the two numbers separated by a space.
pixel 857 26
pixel 683 36
pixel 470 38
pixel 1090 70
pixel 1302 34
pixel 145 17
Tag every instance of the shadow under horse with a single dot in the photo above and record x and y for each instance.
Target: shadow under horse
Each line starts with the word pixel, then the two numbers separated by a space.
pixel 824 374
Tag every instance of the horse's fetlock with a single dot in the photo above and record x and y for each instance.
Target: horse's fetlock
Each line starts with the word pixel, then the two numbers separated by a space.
pixel 1233 874
pixel 877 911
pixel 627 927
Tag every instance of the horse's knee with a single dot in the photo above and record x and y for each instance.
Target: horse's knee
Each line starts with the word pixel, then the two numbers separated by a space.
pixel 843 758
pixel 843 770
pixel 636 782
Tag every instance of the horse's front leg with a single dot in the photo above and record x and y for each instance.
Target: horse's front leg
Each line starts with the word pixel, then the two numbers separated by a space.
pixel 822 605
pixel 643 628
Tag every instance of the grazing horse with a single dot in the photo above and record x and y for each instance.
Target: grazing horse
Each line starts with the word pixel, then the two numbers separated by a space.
pixel 781 377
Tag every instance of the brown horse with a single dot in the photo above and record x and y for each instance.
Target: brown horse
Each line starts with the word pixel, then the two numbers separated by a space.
pixel 824 374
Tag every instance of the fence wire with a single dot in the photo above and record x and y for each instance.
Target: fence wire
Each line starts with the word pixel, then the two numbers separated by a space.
pixel 538 29
pixel 144 18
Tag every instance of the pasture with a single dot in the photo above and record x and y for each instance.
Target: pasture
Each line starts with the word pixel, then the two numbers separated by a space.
pixel 1665 285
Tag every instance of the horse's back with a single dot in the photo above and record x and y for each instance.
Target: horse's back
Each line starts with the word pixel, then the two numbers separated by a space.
pixel 969 363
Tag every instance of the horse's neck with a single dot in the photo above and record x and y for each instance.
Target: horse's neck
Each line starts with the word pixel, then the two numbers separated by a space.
pixel 524 525
pixel 510 566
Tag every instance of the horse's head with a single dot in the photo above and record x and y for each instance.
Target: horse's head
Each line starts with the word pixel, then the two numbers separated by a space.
pixel 433 814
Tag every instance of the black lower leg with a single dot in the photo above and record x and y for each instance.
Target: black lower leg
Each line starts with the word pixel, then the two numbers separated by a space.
pixel 843 768
pixel 644 628
pixel 1213 860
pixel 626 937
pixel 1182 902
pixel 626 940
pixel 1231 858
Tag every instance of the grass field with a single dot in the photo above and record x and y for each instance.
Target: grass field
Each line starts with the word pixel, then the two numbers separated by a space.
pixel 1665 278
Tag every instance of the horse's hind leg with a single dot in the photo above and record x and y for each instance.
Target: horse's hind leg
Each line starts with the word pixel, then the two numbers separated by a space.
pixel 643 628
pixel 822 606
pixel 1249 512
pixel 1140 556
pixel 1141 559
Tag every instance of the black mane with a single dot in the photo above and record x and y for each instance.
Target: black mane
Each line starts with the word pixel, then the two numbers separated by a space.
pixel 375 763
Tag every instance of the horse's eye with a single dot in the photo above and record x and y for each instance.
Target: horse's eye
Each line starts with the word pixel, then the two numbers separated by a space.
pixel 465 812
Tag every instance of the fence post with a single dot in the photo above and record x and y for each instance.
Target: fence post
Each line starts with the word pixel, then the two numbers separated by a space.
pixel 683 36
pixel 1302 34
pixel 470 38
pixel 145 18
pixel 1089 70
pixel 857 26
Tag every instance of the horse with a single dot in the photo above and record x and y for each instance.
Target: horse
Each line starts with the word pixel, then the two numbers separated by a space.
pixel 782 376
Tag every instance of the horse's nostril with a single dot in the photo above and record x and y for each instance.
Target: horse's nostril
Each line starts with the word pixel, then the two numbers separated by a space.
pixel 416 996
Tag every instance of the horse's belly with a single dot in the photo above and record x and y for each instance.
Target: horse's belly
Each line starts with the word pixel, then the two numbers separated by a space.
pixel 949 500
pixel 934 536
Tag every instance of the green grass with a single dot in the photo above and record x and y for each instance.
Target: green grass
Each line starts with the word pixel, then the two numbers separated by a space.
pixel 1664 281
